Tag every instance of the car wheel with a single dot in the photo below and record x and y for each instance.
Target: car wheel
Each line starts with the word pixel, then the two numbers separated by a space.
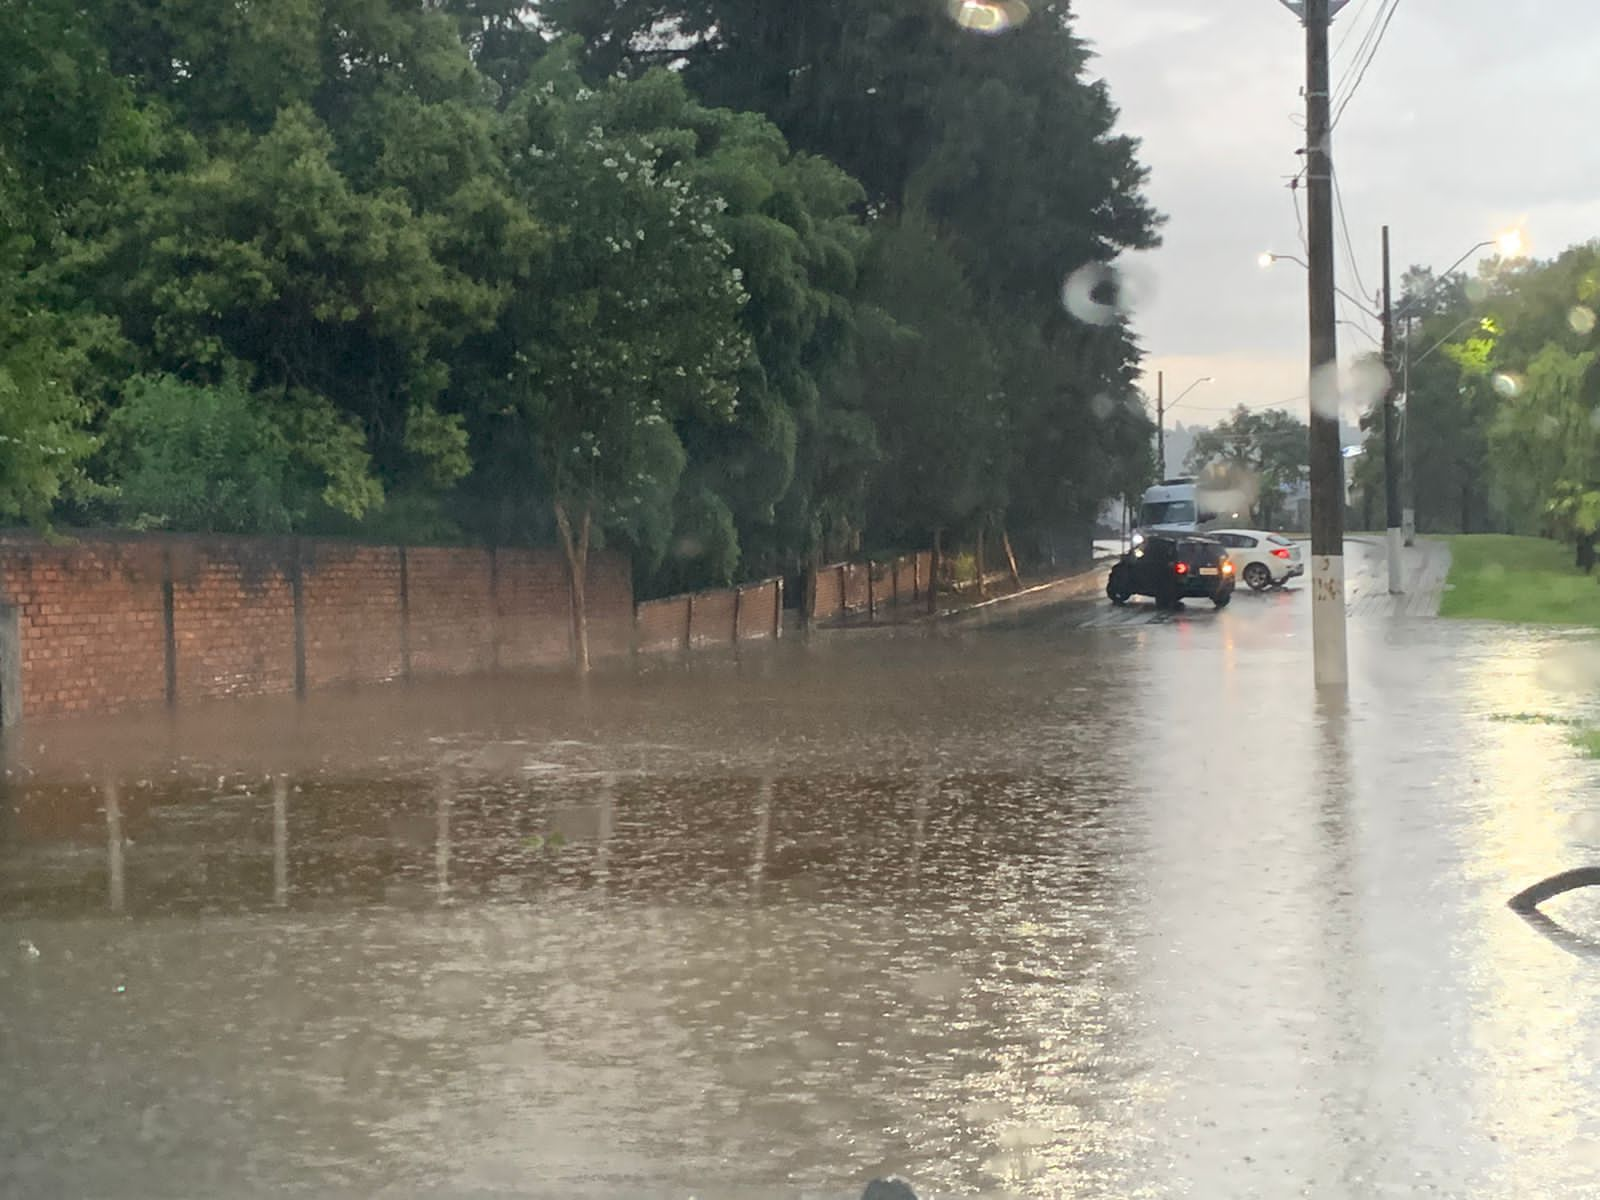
pixel 1221 599
pixel 1257 577
pixel 1117 589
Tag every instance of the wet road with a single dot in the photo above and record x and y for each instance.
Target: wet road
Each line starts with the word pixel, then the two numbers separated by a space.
pixel 1063 906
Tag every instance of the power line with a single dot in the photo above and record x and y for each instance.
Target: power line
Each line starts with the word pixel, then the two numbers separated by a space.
pixel 1394 7
pixel 1349 246
pixel 1362 46
pixel 1355 18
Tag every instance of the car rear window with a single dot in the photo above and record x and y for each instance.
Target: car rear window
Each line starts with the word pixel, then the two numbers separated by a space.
pixel 1204 553
pixel 1279 540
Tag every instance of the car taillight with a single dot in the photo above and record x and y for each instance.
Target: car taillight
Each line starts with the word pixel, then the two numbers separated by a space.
pixel 1181 568
pixel 1227 568
pixel 1280 553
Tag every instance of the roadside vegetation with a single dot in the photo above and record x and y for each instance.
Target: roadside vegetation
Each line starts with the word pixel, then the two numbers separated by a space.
pixel 698 280
pixel 1529 580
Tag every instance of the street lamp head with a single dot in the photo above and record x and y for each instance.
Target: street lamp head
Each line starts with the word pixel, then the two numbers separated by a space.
pixel 1510 243
pixel 1266 260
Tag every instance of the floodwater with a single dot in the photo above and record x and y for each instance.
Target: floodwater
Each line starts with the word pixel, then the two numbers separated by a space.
pixel 1042 909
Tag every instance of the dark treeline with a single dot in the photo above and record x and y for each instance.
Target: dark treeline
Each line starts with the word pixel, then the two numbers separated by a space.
pixel 728 284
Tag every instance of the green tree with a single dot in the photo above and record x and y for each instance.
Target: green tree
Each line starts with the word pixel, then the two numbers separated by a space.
pixel 629 326
pixel 1260 453
pixel 1003 144
pixel 203 459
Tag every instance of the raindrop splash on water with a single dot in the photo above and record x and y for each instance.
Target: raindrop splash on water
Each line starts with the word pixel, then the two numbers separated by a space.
pixel 30 952
pixel 989 17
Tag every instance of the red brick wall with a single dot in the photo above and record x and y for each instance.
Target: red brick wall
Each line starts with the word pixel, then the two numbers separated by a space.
pixel 450 611
pixel 233 618
pixel 534 605
pixel 661 623
pixel 610 606
pixel 759 611
pixel 842 587
pixel 353 614
pixel 92 633
pixel 90 624
pixel 712 622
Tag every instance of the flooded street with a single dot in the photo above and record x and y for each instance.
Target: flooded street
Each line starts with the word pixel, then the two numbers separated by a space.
pixel 1060 907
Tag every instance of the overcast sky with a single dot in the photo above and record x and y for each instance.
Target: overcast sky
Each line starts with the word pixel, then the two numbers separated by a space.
pixel 1474 116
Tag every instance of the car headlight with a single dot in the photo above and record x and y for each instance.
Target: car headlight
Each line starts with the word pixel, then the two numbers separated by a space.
pixel 1137 539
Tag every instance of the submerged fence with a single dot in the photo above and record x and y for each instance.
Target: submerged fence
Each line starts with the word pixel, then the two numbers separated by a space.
pixel 867 588
pixel 751 612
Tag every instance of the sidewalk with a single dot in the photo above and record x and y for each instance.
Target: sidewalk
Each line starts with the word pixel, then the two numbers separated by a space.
pixel 1425 567
pixel 1086 581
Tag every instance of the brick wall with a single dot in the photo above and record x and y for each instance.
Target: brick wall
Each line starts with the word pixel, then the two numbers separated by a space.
pixel 712 622
pixel 719 618
pixel 450 611
pixel 534 605
pixel 663 624
pixel 90 626
pixel 99 625
pixel 761 610
pixel 353 630
pixel 233 618
pixel 843 588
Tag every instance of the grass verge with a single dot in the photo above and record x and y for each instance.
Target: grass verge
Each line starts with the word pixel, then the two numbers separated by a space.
pixel 1499 577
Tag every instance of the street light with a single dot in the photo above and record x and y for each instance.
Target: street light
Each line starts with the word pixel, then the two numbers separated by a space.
pixel 1267 258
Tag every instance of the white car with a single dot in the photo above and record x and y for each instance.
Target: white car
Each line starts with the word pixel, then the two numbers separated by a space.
pixel 1262 559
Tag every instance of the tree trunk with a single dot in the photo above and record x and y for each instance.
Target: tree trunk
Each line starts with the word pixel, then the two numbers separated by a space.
pixel 1011 560
pixel 577 550
pixel 982 591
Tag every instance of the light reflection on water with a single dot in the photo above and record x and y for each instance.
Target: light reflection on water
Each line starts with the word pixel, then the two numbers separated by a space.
pixel 1034 911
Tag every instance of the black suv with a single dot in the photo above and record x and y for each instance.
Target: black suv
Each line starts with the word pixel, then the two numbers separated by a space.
pixel 1171 567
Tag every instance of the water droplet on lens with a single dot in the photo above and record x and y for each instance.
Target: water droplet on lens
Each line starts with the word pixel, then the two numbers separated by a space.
pixel 989 16
pixel 1582 319
pixel 1102 406
pixel 1097 293
pixel 1508 384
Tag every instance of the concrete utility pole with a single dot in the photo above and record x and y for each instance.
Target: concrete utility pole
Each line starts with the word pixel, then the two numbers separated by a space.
pixel 1327 460
pixel 1161 426
pixel 1395 534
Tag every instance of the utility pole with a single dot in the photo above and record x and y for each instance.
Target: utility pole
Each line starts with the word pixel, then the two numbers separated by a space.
pixel 1394 535
pixel 1327 461
pixel 1408 511
pixel 1161 427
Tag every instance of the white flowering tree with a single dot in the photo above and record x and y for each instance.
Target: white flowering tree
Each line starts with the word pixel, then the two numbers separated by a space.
pixel 629 325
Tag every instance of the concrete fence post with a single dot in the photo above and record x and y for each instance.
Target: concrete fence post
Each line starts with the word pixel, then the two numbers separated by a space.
pixel 169 627
pixel 10 666
pixel 777 608
pixel 405 616
pixel 297 591
pixel 738 604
